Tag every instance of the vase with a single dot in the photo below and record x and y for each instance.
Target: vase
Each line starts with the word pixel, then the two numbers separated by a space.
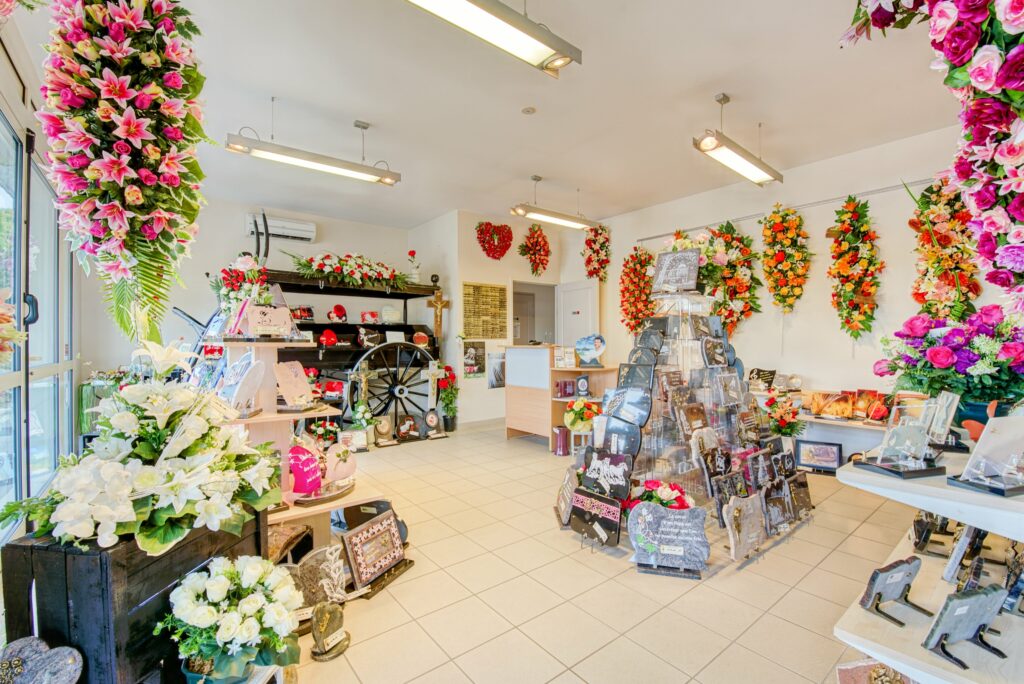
pixel 978 411
pixel 414 275
pixel 195 678
pixel 449 423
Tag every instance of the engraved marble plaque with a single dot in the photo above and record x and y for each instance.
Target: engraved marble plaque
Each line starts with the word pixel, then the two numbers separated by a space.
pixel 651 339
pixel 563 503
pixel 616 435
pixel 596 517
pixel 962 614
pixel 889 582
pixel 676 271
pixel 642 356
pixel 607 473
pixel 667 538
pixel 632 404
pixel 636 375
pixel 30 660
pixel 777 502
pixel 801 493
pixel 744 521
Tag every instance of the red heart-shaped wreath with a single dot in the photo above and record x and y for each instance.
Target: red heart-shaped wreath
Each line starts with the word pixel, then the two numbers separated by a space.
pixel 494 240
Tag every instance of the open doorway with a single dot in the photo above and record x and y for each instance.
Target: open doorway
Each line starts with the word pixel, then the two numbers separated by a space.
pixel 533 313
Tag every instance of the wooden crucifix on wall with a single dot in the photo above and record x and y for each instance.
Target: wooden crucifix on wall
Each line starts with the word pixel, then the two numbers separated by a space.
pixel 438 303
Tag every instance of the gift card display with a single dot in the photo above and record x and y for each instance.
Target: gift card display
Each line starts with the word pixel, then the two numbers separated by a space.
pixel 595 516
pixel 632 404
pixel 616 435
pixel 636 375
pixel 607 473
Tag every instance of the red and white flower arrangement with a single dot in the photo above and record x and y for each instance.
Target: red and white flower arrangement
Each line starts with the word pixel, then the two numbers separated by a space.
pixel 244 279
pixel 324 431
pixel 354 270
pixel 122 118
pixel 786 258
pixel 667 494
pixel 536 249
pixel 495 240
pixel 635 286
pixel 978 42
pixel 855 267
pixel 597 252
pixel 782 414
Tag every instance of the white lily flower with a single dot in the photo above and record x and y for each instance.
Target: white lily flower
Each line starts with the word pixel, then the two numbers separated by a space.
pixel 212 512
pixel 164 359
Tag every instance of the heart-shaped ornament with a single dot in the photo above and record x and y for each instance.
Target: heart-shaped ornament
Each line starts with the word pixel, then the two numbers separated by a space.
pixel 330 639
pixel 30 660
pixel 305 468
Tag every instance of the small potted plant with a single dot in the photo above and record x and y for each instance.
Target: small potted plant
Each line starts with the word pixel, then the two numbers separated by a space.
pixel 362 419
pixel 233 616
pixel 579 416
pixel 448 394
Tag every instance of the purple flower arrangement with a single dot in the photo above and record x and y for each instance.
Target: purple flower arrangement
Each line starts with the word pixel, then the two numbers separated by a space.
pixel 981 359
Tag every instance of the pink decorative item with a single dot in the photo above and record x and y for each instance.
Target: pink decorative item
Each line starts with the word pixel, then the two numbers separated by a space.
pixel 369 317
pixel 305 468
pixel 337 314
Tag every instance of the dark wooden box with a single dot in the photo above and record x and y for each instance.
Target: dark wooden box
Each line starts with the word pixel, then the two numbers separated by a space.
pixel 105 602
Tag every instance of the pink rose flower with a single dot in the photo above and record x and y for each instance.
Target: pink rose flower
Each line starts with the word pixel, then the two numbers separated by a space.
pixel 1009 153
pixel 148 177
pixel 77 161
pixel 1016 236
pixel 917 326
pixel 944 15
pixel 996 220
pixel 983 68
pixel 941 356
pixel 991 314
pixel 1011 14
pixel 121 147
pixel 172 79
pixel 881 368
pixel 172 133
pixel 170 179
pixel 1011 350
pixel 143 100
pixel 132 195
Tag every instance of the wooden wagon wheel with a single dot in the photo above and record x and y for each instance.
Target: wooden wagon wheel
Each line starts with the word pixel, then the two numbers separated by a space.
pixel 399 386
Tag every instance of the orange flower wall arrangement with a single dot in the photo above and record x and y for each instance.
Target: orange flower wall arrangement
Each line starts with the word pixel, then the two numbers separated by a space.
pixel 494 240
pixel 597 252
pixel 736 295
pixel 536 249
pixel 855 267
pixel 786 259
pixel 635 288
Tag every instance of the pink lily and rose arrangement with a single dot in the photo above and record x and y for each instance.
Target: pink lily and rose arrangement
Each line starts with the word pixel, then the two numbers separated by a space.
pixel 122 118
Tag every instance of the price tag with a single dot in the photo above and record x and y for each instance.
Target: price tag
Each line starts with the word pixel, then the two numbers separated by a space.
pixel 599 531
pixel 303 613
pixel 333 640
pixel 367 509
pixel 961 610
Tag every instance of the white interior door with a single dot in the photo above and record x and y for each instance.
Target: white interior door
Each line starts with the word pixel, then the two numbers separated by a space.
pixel 576 311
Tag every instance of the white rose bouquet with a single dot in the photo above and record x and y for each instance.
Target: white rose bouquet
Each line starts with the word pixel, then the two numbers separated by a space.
pixel 233 615
pixel 362 417
pixel 164 463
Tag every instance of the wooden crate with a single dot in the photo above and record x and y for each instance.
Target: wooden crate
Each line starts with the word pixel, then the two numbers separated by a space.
pixel 105 602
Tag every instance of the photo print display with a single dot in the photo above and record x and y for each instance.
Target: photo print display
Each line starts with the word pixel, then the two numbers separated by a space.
pixel 474 359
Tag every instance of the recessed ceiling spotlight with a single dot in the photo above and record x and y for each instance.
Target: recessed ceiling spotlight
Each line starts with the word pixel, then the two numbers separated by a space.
pixel 528 111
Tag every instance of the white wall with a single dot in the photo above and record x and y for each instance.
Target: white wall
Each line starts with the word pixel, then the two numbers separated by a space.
pixel 808 341
pixel 221 238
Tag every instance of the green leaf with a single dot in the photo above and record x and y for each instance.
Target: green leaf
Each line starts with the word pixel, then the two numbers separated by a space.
pixel 957 78
pixel 156 540
pixel 271 497
pixel 290 655
pixel 233 525
pixel 161 516
pixel 225 666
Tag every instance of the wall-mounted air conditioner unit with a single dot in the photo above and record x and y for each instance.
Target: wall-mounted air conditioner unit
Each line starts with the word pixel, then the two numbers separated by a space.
pixel 282 229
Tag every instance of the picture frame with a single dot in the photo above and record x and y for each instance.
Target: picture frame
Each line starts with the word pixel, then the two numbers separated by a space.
pixel 827 456
pixel 676 271
pixel 373 548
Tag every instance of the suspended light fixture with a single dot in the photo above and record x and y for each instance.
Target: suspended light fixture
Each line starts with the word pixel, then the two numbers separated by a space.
pixel 314 161
pixel 532 211
pixel 728 152
pixel 498 24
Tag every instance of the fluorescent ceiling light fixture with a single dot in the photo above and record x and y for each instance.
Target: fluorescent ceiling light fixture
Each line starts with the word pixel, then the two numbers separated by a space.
pixel 498 24
pixel 547 216
pixel 310 160
pixel 730 153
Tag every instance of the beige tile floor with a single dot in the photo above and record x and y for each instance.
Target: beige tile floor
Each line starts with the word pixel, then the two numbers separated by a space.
pixel 499 594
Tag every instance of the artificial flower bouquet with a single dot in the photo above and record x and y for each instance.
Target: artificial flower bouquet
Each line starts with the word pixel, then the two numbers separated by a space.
pixel 667 494
pixel 855 267
pixel 362 417
pixel 233 615
pixel 448 392
pixel 9 333
pixel 353 270
pixel 536 249
pixel 579 415
pixel 635 285
pixel 981 359
pixel 782 414
pixel 324 431
pixel 244 279
pixel 786 259
pixel 164 463
pixel 597 252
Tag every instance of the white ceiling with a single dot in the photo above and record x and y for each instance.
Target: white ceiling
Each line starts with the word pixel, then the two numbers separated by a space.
pixel 445 107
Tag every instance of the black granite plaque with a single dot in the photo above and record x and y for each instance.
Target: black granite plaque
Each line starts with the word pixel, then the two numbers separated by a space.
pixel 632 404
pixel 595 516
pixel 636 375
pixel 607 473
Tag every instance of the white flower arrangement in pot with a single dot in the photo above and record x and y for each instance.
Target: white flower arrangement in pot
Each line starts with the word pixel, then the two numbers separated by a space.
pixel 233 616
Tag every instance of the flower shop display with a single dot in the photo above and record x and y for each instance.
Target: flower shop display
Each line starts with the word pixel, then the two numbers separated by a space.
pixel 855 267
pixel 414 267
pixel 786 259
pixel 536 249
pixel 244 279
pixel 353 270
pixel 635 288
pixel 164 463
pixel 122 117
pixel 324 431
pixel 980 358
pixel 9 333
pixel 579 415
pixel 782 414
pixel 597 252
pixel 977 43
pixel 233 615
pixel 667 494
pixel 494 240
pixel 946 285
pixel 448 397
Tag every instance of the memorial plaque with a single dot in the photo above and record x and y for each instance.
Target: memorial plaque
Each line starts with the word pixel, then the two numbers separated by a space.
pixel 676 271
pixel 967 544
pixel 664 538
pixel 777 501
pixel 801 492
pixel 728 388
pixel 595 516
pixel 659 323
pixel 563 503
pixel 636 375
pixel 724 488
pixel 632 404
pixel 765 377
pixel 1014 584
pixel 892 583
pixel 642 356
pixel 773 445
pixel 607 473
pixel 964 617
pixel 30 660
pixel 700 327
pixel 650 339
pixel 405 429
pixel 760 471
pixel 744 521
pixel 486 311
pixel 691 417
pixel 713 352
pixel 616 435
pixel 970 577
